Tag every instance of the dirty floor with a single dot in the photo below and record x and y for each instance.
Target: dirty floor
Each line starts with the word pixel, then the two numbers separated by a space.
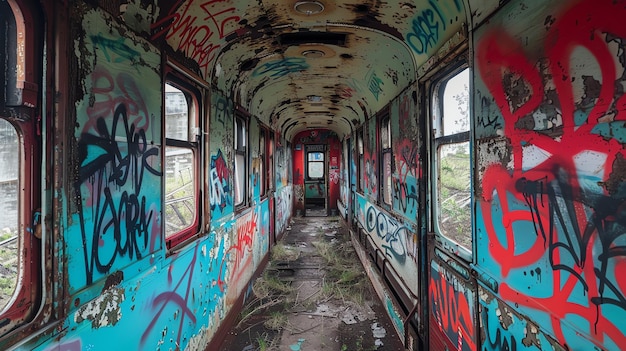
pixel 313 296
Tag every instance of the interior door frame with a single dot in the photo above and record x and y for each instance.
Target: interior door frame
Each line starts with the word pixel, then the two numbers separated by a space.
pixel 321 181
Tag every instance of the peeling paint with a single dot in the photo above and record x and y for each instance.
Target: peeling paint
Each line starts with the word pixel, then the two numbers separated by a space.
pixel 105 310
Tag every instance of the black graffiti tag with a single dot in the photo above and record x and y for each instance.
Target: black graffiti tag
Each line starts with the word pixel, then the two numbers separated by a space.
pixel 126 221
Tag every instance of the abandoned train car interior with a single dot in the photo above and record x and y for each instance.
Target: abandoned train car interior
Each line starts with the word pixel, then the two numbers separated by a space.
pixel 153 152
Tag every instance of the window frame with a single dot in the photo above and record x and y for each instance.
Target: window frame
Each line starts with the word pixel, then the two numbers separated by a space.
pixel 241 151
pixel 439 139
pixel 308 163
pixel 263 132
pixel 271 149
pixel 21 110
pixel 360 153
pixel 193 97
pixel 23 302
pixel 385 189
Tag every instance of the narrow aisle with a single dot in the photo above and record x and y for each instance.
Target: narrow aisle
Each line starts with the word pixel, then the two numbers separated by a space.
pixel 314 295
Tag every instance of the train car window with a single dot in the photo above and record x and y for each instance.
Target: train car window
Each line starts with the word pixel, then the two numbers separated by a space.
pixel 361 160
pixel 315 165
pixel 270 162
pixel 181 164
pixel 241 155
pixel 386 157
pixel 20 219
pixel 451 130
pixel 9 206
pixel 262 160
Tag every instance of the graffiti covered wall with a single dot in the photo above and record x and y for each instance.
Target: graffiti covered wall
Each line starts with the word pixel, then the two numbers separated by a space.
pixel 199 38
pixel 118 135
pixel 549 110
pixel 284 208
pixel 285 190
pixel 452 310
pixel 394 238
pixel 393 229
pixel 246 241
pixel 371 160
pixel 406 163
pixel 221 176
pixel 119 273
pixel 432 23
pixel 344 180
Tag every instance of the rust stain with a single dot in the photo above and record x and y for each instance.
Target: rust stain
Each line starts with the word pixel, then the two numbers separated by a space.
pixel 113 280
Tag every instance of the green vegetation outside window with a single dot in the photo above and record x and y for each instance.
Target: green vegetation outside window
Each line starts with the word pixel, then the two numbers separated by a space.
pixel 452 156
pixel 180 166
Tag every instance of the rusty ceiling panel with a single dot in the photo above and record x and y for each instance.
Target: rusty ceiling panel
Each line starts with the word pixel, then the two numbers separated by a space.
pixel 311 63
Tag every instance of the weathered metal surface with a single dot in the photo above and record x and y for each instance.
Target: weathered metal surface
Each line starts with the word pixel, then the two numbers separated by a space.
pixel 354 56
pixel 547 93
pixel 549 105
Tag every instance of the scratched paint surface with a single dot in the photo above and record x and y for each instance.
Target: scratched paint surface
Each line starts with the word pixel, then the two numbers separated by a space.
pixel 549 110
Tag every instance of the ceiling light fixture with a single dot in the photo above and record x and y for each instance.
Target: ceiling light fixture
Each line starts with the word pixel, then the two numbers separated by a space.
pixel 313 53
pixel 309 7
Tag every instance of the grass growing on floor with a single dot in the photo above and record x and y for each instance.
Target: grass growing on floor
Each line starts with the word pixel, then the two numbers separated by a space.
pixel 265 342
pixel 276 321
pixel 269 291
pixel 271 286
pixel 345 278
pixel 282 252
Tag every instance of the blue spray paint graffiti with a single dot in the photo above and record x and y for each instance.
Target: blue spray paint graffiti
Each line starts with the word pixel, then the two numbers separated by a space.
pixel 220 183
pixel 393 233
pixel 429 25
pixel 280 68
pixel 499 326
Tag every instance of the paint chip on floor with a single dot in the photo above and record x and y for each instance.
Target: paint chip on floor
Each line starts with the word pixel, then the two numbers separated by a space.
pixel 378 332
pixel 296 347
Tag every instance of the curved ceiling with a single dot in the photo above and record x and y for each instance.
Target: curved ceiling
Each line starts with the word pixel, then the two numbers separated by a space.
pixel 297 65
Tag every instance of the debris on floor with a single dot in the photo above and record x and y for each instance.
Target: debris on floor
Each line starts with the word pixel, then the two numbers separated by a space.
pixel 296 347
pixel 313 296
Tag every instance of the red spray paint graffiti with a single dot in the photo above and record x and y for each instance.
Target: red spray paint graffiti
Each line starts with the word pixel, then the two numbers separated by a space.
pixel 239 255
pixel 199 38
pixel 452 311
pixel 107 99
pixel 573 221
